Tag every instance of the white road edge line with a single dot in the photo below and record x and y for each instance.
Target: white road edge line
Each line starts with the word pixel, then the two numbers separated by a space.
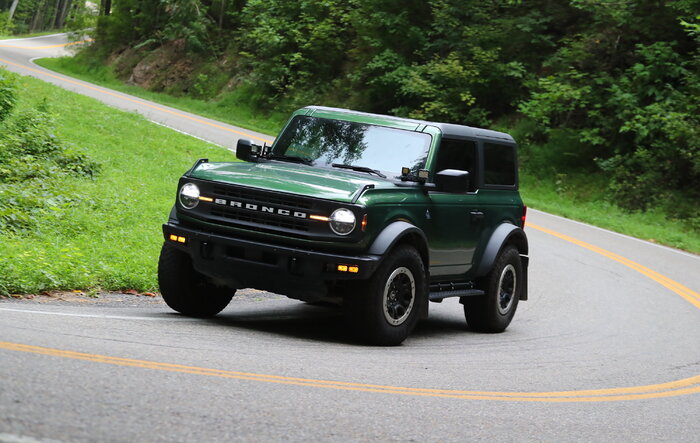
pixel 112 317
pixel 192 135
pixel 32 38
pixel 668 248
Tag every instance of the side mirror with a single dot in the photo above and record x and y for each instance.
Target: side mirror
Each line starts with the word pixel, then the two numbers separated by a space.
pixel 246 150
pixel 453 181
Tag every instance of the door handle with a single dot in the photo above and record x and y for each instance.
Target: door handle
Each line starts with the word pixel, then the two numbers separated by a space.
pixel 476 216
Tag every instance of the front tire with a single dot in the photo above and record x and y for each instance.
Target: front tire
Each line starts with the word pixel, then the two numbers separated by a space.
pixel 385 309
pixel 494 311
pixel 186 290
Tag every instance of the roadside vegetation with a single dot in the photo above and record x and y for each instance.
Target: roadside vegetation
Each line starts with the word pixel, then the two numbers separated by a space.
pixel 21 18
pixel 82 199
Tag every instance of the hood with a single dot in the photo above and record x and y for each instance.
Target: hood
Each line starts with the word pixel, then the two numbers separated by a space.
pixel 325 183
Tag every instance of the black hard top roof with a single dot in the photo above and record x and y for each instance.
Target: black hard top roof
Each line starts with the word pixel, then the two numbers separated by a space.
pixel 447 129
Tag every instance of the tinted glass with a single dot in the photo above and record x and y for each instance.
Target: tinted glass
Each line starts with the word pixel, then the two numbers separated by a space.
pixel 326 141
pixel 458 154
pixel 499 164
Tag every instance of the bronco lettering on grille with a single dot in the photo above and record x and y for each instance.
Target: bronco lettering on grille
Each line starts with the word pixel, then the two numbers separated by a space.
pixel 262 208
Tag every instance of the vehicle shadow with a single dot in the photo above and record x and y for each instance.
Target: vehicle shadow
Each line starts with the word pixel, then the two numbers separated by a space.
pixel 322 323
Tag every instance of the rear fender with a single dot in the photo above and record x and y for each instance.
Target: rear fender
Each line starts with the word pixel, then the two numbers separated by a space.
pixel 505 234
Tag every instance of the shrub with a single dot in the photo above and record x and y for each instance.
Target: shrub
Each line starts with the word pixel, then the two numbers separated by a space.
pixel 33 166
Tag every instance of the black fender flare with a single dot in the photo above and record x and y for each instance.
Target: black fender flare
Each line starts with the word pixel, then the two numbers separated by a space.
pixel 394 233
pixel 504 234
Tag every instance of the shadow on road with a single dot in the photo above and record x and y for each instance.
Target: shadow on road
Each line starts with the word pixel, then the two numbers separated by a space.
pixel 323 323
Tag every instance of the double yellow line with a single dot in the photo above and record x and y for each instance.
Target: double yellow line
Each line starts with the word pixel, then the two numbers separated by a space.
pixel 671 389
pixel 685 292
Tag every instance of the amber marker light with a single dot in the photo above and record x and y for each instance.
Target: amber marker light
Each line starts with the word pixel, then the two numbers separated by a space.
pixel 322 218
pixel 353 269
pixel 181 240
pixel 364 223
pixel 342 268
pixel 173 237
pixel 206 199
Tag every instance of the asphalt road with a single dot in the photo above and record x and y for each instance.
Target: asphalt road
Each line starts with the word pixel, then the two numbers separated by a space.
pixel 606 349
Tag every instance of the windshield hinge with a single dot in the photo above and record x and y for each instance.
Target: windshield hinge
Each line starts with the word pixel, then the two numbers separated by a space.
pixel 360 192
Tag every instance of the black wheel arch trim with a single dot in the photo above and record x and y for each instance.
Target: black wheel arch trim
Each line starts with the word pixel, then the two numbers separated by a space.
pixel 393 233
pixel 504 234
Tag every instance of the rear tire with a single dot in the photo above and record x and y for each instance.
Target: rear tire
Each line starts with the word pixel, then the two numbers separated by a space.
pixel 494 311
pixel 385 309
pixel 186 290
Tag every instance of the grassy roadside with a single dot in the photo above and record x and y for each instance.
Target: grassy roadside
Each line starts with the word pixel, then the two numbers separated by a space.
pixel 654 226
pixel 229 109
pixel 111 238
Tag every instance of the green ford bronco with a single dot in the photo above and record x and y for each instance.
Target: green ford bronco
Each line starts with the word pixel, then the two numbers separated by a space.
pixel 380 213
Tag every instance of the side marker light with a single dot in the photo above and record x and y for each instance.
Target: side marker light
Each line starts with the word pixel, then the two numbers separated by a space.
pixel 353 269
pixel 342 268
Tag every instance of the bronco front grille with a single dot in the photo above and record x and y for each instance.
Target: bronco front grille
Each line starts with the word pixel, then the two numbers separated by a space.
pixel 259 219
pixel 230 205
pixel 262 197
pixel 258 209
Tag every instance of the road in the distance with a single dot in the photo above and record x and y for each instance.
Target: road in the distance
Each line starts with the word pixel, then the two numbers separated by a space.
pixel 17 56
pixel 606 349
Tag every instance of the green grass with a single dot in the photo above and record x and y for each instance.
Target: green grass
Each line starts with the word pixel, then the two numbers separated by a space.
pixel 230 108
pixel 110 239
pixel 577 199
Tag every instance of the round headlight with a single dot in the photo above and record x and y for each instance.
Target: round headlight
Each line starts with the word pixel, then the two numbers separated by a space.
pixel 342 221
pixel 189 196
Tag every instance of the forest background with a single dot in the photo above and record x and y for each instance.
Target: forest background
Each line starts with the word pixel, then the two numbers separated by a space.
pixel 602 95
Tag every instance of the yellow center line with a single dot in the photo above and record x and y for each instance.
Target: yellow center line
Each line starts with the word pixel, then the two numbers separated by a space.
pixel 130 99
pixel 685 292
pixel 680 387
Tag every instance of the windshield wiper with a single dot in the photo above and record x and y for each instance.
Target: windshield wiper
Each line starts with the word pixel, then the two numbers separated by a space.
pixel 359 168
pixel 290 158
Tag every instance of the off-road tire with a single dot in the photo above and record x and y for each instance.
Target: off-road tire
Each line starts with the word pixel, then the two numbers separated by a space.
pixel 494 311
pixel 186 290
pixel 385 309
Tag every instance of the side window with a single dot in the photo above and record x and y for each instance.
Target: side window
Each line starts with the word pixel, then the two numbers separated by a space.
pixel 458 154
pixel 499 164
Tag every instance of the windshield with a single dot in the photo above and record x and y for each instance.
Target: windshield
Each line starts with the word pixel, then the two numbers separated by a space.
pixel 326 142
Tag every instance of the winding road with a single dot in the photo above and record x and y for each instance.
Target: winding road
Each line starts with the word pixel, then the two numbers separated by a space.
pixel 606 349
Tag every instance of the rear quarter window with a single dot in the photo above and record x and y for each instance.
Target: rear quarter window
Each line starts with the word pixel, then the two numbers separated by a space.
pixel 499 164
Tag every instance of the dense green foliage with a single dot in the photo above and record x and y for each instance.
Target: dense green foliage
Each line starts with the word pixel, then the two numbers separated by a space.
pixel 33 161
pixel 31 16
pixel 76 227
pixel 587 86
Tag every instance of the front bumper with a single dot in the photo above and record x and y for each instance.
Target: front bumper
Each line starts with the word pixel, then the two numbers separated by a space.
pixel 290 271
